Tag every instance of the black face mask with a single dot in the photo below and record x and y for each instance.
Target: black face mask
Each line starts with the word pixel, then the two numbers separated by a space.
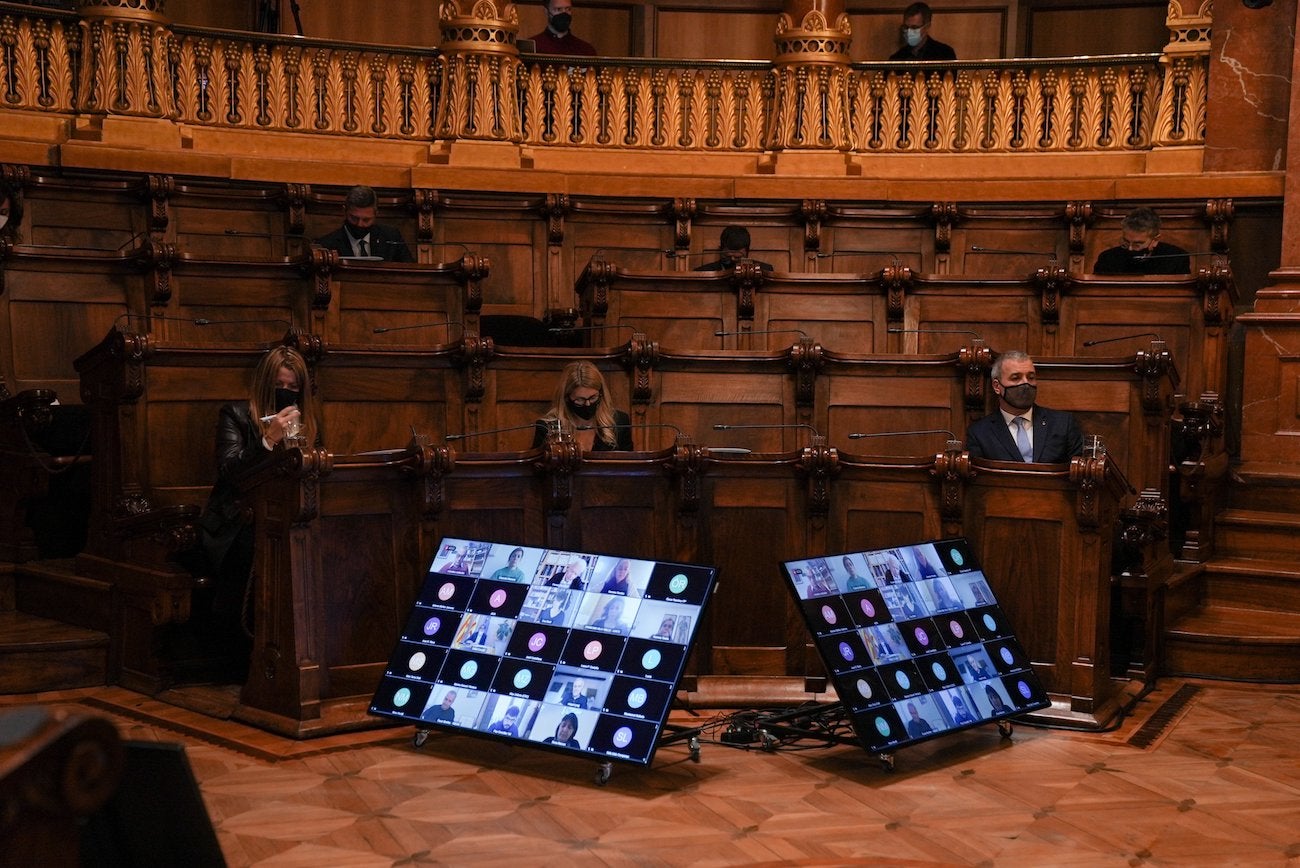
pixel 1021 397
pixel 356 231
pixel 561 22
pixel 285 398
pixel 586 412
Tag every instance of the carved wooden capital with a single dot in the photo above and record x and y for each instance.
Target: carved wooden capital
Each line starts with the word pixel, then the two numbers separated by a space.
pixel 1153 366
pixel 157 191
pixel 1051 284
pixel 897 280
pixel 684 210
pixel 688 465
pixel 1218 293
pixel 746 278
pixel 1078 217
pixel 806 359
pixel 319 264
pixel 554 210
pixel 813 212
pixel 975 362
pixel 559 460
pixel 295 198
pixel 432 464
pixel 952 468
pixel 1088 474
pixel 820 462
pixel 156 259
pixel 1218 216
pixel 944 216
pixel 640 359
pixel 426 203
pixel 473 354
pixel 593 289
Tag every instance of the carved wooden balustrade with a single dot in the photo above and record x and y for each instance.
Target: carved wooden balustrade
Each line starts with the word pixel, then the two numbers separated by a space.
pixel 109 62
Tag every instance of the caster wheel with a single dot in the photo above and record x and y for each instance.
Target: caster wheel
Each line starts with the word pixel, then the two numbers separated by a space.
pixel 603 773
pixel 694 745
pixel 887 761
pixel 1005 729
pixel 420 737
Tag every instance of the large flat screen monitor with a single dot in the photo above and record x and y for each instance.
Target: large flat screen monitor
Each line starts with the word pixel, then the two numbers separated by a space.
pixel 914 640
pixel 570 651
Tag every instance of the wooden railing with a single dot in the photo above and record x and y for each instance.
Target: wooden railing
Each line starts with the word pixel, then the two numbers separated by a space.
pixel 143 67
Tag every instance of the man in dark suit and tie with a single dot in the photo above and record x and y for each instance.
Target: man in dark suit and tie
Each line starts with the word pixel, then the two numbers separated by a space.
pixel 360 235
pixel 1021 429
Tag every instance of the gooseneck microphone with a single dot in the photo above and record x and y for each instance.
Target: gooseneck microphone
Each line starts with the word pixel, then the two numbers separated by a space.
pixel 379 330
pixel 1050 254
pixel 469 434
pixel 861 435
pixel 202 321
pixel 1100 341
pixel 975 335
pixel 803 425
pixel 799 332
pixel 563 329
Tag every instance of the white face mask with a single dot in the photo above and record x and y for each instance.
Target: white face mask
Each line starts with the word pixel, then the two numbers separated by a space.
pixel 913 35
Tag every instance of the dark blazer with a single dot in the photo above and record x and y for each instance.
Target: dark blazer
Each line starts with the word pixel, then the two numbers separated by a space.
pixel 719 265
pixel 622 433
pixel 931 49
pixel 385 242
pixel 1057 438
pixel 239 445
pixel 1165 259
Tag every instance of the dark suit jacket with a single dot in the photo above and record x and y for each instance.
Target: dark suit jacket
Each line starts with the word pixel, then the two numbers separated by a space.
pixel 719 265
pixel 932 49
pixel 1057 438
pixel 622 433
pixel 1165 259
pixel 385 242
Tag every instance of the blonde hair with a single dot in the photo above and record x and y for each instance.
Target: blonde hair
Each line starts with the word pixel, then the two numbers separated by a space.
pixel 579 375
pixel 262 391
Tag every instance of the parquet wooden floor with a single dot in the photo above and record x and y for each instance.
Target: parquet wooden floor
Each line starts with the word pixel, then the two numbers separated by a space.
pixel 1218 784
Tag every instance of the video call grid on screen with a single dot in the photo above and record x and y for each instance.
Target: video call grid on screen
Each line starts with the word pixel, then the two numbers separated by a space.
pixel 572 651
pixel 914 641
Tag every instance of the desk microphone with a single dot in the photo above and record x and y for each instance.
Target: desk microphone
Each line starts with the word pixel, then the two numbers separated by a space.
pixel 1098 341
pixel 674 254
pixel 379 330
pixel 117 323
pixel 1050 254
pixel 898 260
pixel 860 435
pixel 975 335
pixel 799 332
pixel 468 434
pixel 780 425
pixel 621 325
pixel 201 321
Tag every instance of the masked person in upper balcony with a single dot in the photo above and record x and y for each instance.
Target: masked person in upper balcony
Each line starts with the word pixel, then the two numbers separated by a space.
pixel 582 408
pixel 1141 251
pixel 557 38
pixel 734 246
pixel 917 43
pixel 1021 429
pixel 360 235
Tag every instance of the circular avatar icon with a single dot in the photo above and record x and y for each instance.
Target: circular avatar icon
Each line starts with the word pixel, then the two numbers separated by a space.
pixel 650 659
pixel 903 681
pixel 523 678
pixel 593 649
pixel 498 598
pixel 401 697
pixel 536 642
pixel 636 697
pixel 955 556
pixel 882 726
pixel 939 672
pixel 622 737
pixel 446 590
pixel 921 636
pixel 468 669
pixel 957 629
pixel 989 622
pixel 431 626
pixel 867 608
pixel 416 663
pixel 864 688
pixel 828 615
pixel 846 651
pixel 1025 690
pixel 678 583
pixel 1006 655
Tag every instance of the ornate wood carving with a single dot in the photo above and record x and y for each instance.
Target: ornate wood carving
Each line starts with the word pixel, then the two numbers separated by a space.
pixel 426 203
pixel 813 212
pixel 683 211
pixel 1051 284
pixel 820 463
pixel 319 264
pixel 471 271
pixel 897 280
pixel 975 361
pixel 640 359
pixel 952 469
pixel 156 259
pixel 689 463
pixel 560 459
pixel 806 360
pixel 944 216
pixel 1153 366
pixel 295 198
pixel 746 279
pixel 554 210
pixel 473 355
pixel 1218 216
pixel 1218 295
pixel 157 191
pixel 1078 217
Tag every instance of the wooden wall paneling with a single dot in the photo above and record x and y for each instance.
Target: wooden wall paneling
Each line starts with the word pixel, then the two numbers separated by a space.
pixel 417 305
pixel 695 394
pixel 245 301
pixel 374 399
pixel 980 32
pixel 717 33
pixel 1077 28
pixel 400 24
pixel 509 230
pixel 1004 314
pixel 877 396
pixel 56 307
pixel 1015 241
pixel 100 213
pixel 776 232
pixel 842 312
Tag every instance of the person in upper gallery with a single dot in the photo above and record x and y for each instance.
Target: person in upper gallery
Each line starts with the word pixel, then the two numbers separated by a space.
pixel 360 235
pixel 557 38
pixel 917 42
pixel 1021 429
pixel 1141 251
pixel 280 405
pixel 734 247
pixel 581 408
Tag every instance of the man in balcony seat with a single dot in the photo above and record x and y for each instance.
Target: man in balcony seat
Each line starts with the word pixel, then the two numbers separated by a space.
pixel 734 246
pixel 360 235
pixel 1021 429
pixel 1141 251
pixel 557 38
pixel 917 44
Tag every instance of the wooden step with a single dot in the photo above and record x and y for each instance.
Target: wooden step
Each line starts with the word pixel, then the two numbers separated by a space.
pixel 1239 644
pixel 38 654
pixel 1253 583
pixel 1258 534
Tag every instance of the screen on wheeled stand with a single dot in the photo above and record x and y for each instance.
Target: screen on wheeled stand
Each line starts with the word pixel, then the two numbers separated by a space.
pixel 915 643
pixel 569 651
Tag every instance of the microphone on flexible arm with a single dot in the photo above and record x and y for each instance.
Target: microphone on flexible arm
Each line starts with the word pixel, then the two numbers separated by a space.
pixel 1099 341
pixel 1050 254
pixel 816 436
pixel 450 438
pixel 687 254
pixel 897 260
pixel 379 330
pixel 203 321
pixel 567 329
pixel 133 239
pixel 680 435
pixel 953 444
pixel 117 323
pixel 799 332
